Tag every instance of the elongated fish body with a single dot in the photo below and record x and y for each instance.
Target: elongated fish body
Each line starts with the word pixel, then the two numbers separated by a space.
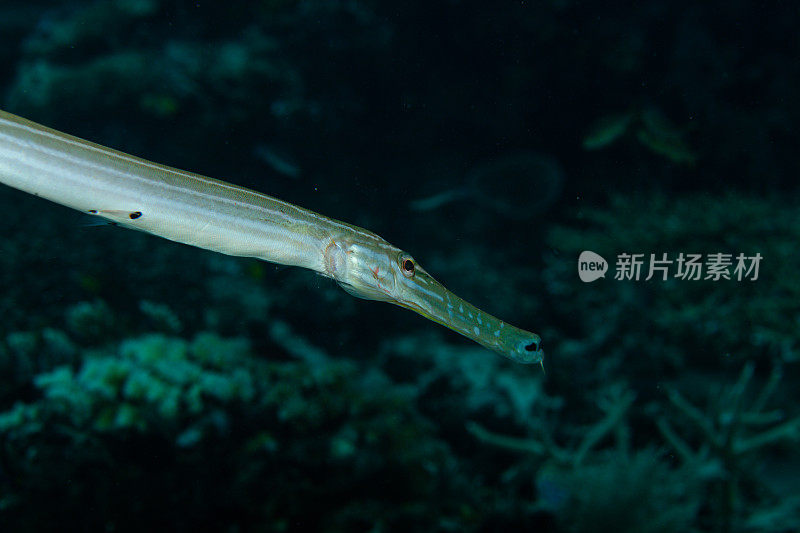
pixel 212 214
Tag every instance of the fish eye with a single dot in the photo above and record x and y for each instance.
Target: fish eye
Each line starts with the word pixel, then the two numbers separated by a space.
pixel 407 266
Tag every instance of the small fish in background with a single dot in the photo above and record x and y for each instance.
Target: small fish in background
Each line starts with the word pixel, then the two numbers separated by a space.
pixel 516 185
pixel 606 130
pixel 653 130
pixel 278 160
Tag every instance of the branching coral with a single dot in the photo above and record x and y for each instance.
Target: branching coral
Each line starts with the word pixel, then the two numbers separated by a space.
pixel 736 429
pixel 636 492
pixel 614 402
pixel 590 487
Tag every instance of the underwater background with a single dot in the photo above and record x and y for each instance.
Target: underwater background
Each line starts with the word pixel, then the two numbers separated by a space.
pixel 148 385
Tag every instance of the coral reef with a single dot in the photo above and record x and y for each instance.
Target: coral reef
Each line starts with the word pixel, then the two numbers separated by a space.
pixel 676 321
pixel 634 492
pixel 213 414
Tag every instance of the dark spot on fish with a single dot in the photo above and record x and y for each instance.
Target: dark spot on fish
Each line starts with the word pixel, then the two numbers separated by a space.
pixel 92 211
pixel 135 215
pixel 532 347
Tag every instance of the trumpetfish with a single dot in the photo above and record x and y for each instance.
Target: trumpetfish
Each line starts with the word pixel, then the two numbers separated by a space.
pixel 212 214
